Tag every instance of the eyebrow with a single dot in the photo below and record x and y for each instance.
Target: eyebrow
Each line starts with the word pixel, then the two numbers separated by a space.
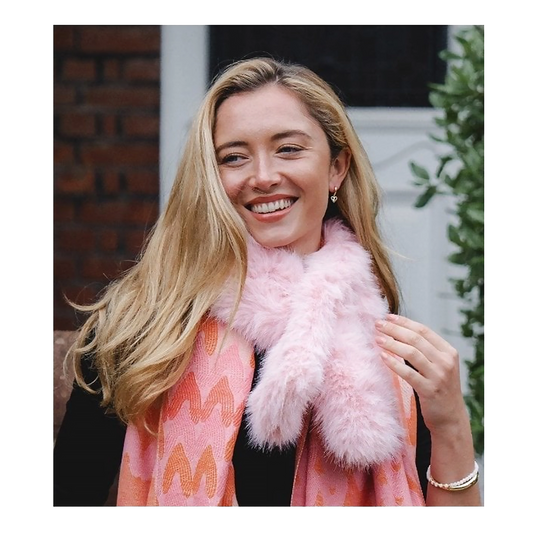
pixel 276 137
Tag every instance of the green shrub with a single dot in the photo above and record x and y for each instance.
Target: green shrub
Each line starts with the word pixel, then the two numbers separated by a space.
pixel 461 173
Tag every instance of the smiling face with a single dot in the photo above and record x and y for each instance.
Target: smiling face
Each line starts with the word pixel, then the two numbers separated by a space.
pixel 275 165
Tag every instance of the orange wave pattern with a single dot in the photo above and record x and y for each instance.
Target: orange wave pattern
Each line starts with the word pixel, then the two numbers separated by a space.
pixel 190 457
pixel 319 482
pixel 178 464
pixel 189 461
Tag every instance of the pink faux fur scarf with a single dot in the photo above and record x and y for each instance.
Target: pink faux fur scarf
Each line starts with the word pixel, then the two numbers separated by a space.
pixel 314 316
pixel 322 384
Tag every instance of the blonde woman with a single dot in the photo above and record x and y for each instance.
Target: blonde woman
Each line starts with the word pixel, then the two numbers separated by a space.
pixel 254 354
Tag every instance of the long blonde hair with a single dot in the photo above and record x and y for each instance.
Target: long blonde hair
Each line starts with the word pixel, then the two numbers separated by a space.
pixel 141 333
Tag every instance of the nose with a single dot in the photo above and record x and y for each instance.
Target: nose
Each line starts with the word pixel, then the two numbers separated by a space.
pixel 264 175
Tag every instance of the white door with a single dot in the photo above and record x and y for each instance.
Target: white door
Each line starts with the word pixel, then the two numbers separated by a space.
pixel 417 237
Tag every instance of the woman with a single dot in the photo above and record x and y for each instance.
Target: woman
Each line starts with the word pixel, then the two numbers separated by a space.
pixel 260 325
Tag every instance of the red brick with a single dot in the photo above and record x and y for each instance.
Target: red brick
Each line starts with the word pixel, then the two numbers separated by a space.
pixel 64 94
pixel 61 319
pixel 64 268
pixel 100 268
pixel 122 97
pixel 120 154
pixel 142 212
pixel 135 212
pixel 64 320
pixel 63 38
pixel 78 124
pixel 109 240
pixel 109 125
pixel 63 211
pixel 64 271
pixel 63 153
pixel 142 70
pixel 141 126
pixel 79 70
pixel 65 316
pixel 120 39
pixel 111 70
pixel 142 182
pixel 62 309
pixel 109 212
pixel 80 294
pixel 111 182
pixel 135 240
pixel 74 239
pixel 74 181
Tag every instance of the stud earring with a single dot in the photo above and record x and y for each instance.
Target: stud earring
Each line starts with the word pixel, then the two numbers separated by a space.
pixel 334 196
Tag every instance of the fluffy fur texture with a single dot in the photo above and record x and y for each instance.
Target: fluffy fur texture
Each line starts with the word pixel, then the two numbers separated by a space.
pixel 314 317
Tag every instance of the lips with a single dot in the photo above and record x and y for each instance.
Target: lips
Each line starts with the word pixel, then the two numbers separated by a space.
pixel 270 204
pixel 271 207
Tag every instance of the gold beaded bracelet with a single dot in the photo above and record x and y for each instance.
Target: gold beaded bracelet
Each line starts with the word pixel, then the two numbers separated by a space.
pixel 462 484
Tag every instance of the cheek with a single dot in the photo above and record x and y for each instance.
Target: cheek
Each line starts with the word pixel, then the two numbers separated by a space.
pixel 231 186
pixel 317 184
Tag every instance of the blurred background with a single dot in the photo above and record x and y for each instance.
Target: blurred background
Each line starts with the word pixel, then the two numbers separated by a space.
pixel 124 97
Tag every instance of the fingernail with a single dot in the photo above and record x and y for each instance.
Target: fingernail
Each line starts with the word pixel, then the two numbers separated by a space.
pixel 393 317
pixel 380 323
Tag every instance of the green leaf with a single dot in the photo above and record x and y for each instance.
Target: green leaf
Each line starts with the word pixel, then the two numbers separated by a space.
pixel 448 55
pixel 426 196
pixel 475 214
pixel 436 99
pixel 443 162
pixel 457 258
pixel 453 235
pixel 420 172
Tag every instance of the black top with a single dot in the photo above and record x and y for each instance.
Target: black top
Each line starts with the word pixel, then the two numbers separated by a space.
pixel 262 478
pixel 89 444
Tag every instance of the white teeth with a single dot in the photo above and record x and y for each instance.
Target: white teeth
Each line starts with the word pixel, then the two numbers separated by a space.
pixel 270 207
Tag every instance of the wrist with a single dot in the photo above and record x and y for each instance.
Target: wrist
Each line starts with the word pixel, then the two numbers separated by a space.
pixel 454 430
pixel 456 486
pixel 452 452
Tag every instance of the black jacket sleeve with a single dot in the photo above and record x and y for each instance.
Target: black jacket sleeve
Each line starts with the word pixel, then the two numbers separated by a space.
pixel 88 449
pixel 423 448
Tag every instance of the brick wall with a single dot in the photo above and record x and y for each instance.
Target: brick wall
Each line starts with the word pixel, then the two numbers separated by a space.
pixel 106 156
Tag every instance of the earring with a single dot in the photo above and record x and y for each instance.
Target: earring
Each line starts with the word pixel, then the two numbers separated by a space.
pixel 334 196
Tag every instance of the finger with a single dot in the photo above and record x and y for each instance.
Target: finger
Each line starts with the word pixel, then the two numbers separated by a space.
pixel 433 338
pixel 407 352
pixel 413 346
pixel 414 378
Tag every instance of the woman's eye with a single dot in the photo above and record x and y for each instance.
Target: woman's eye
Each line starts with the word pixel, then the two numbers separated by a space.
pixel 289 149
pixel 231 158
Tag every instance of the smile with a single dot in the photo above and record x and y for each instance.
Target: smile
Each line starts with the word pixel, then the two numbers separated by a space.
pixel 271 207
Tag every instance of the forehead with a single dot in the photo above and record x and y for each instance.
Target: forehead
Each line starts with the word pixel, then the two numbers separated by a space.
pixel 266 109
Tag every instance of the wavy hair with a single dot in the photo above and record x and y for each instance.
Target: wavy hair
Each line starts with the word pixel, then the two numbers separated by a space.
pixel 141 332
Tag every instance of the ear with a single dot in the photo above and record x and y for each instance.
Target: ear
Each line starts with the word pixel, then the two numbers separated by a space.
pixel 339 168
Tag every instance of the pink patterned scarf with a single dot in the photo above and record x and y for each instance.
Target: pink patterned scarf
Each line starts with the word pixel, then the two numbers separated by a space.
pixel 322 386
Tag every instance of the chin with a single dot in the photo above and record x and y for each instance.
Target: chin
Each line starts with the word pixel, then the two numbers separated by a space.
pixel 300 237
pixel 270 241
pixel 301 244
pixel 270 237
